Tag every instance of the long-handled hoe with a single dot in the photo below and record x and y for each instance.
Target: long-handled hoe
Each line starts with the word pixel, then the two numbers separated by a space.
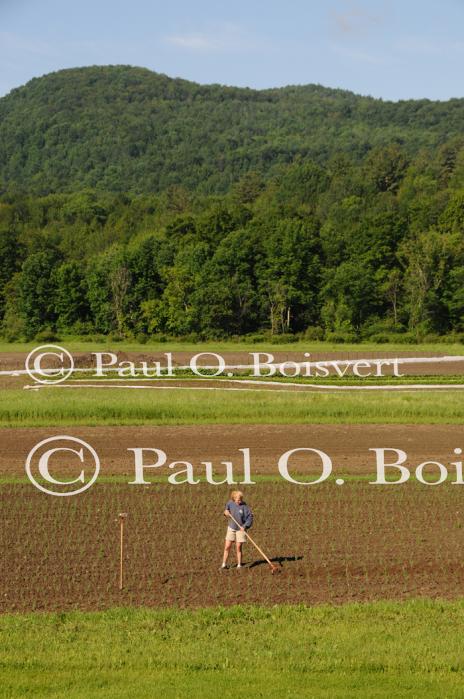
pixel 274 569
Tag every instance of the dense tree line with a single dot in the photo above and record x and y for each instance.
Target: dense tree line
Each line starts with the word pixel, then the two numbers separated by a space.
pixel 124 129
pixel 353 248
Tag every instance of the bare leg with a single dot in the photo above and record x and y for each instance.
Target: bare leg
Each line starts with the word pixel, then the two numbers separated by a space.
pixel 239 553
pixel 227 546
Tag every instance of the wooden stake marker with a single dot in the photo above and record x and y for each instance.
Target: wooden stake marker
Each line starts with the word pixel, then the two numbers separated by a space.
pixel 122 518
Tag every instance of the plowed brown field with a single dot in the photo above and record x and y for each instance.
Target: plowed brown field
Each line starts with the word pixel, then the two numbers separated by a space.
pixel 335 544
pixel 347 445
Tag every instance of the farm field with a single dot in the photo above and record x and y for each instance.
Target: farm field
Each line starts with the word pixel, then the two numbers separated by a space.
pixel 363 568
pixel 13 356
pixel 335 545
pixel 346 559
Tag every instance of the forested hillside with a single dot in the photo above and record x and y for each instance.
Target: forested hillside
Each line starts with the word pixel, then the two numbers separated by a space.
pixel 348 250
pixel 124 129
pixel 138 206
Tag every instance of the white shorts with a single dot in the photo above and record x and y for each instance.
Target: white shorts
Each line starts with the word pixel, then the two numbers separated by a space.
pixel 232 535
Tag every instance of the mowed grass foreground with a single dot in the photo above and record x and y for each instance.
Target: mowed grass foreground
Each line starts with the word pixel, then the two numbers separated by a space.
pixel 386 649
pixel 114 406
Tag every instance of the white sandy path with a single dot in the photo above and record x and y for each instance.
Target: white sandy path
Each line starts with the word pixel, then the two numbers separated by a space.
pixel 270 386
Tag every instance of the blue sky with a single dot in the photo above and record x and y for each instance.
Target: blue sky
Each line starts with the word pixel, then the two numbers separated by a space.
pixel 394 49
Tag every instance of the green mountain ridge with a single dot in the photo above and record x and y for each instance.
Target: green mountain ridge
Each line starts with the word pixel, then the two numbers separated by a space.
pixel 126 129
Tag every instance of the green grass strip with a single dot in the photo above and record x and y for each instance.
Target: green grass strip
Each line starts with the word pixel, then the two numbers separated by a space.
pixel 385 649
pixel 55 406
pixel 74 344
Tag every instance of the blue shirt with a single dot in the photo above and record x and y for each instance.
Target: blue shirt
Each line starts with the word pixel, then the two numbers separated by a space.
pixel 241 513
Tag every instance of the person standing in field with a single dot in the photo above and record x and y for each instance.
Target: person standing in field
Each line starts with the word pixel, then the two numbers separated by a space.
pixel 240 519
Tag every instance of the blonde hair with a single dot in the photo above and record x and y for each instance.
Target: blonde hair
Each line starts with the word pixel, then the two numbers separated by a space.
pixel 236 493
